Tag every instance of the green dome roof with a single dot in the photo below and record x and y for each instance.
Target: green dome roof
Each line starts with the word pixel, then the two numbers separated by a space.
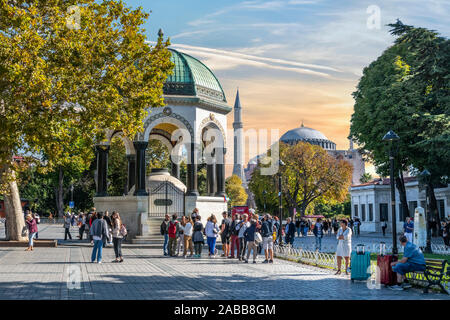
pixel 192 78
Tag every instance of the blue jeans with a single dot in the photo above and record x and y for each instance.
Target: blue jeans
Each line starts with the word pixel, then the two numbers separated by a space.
pixel 319 243
pixel 30 238
pixel 97 250
pixel 298 231
pixel 404 268
pixel 211 244
pixel 166 244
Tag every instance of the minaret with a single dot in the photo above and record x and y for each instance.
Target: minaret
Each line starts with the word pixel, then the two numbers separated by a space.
pixel 238 168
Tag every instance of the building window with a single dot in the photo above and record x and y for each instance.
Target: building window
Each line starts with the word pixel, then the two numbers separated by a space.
pixel 363 212
pixel 356 210
pixel 370 212
pixel 384 216
pixel 412 208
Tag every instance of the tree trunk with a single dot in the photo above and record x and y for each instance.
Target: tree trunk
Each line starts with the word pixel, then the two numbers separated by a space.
pixel 60 193
pixel 15 222
pixel 400 184
pixel 434 210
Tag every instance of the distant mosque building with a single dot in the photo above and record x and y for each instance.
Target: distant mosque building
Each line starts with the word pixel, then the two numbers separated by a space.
pixel 238 165
pixel 312 136
pixel 315 137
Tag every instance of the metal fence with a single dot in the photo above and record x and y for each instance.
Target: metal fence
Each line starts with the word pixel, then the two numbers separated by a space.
pixel 374 247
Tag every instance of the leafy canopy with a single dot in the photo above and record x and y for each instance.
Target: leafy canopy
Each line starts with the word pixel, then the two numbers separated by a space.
pixel 61 87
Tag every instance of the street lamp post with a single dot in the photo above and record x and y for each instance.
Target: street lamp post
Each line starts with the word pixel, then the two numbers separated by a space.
pixel 280 203
pixel 264 195
pixel 391 136
pixel 71 196
pixel 425 174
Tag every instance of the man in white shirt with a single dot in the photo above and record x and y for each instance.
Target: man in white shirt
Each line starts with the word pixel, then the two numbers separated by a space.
pixel 244 224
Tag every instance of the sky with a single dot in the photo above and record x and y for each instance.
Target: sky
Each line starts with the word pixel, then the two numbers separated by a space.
pixel 293 60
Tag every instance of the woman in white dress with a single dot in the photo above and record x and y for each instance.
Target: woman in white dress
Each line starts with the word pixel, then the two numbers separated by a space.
pixel 344 246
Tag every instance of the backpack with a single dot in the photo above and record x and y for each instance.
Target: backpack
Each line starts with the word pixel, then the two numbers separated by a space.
pixel 163 228
pixel 172 229
pixel 123 230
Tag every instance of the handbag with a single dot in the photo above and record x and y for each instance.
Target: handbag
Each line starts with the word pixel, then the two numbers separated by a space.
pixel 258 237
pixel 24 231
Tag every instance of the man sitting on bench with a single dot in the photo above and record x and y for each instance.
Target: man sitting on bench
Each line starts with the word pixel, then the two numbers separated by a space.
pixel 413 260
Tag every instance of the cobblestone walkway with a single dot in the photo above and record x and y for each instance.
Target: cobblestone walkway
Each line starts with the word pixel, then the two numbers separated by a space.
pixel 145 274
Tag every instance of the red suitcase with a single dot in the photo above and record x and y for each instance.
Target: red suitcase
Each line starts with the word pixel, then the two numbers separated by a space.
pixel 387 276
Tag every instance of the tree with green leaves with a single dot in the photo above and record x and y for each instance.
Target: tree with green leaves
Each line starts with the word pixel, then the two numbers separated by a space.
pixel 62 84
pixel 430 75
pixel 309 175
pixel 406 90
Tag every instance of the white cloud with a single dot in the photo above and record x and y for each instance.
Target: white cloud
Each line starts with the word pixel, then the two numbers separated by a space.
pixel 253 58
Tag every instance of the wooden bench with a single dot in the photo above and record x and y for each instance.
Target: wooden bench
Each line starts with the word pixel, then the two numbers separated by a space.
pixel 435 274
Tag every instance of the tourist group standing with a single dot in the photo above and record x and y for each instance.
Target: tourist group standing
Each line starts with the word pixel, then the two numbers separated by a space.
pixel 241 236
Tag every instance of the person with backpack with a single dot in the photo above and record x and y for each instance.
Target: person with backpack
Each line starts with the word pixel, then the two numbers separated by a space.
pixel 267 228
pixel 318 233
pixel 212 231
pixel 225 232
pixel 98 231
pixel 173 231
pixel 32 230
pixel 198 236
pixel 118 232
pixel 180 239
pixel 164 232
pixel 235 220
pixel 91 221
pixel 250 239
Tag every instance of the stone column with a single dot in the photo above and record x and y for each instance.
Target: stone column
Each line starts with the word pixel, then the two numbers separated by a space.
pixel 140 147
pixel 220 171
pixel 211 178
pixel 192 170
pixel 102 170
pixel 175 170
pixel 131 158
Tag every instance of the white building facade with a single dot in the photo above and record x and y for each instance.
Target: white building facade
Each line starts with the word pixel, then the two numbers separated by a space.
pixel 371 203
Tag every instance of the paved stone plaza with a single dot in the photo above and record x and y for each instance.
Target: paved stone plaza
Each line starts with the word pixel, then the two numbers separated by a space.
pixel 146 274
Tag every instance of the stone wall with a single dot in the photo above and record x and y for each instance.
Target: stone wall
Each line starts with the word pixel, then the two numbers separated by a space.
pixel 129 208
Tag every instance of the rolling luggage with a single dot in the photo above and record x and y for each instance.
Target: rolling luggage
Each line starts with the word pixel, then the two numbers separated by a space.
pixel 387 276
pixel 360 264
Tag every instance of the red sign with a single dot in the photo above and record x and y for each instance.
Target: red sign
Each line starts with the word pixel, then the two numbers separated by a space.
pixel 239 210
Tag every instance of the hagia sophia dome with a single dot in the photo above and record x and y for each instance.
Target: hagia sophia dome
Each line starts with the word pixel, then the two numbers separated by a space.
pixel 309 135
